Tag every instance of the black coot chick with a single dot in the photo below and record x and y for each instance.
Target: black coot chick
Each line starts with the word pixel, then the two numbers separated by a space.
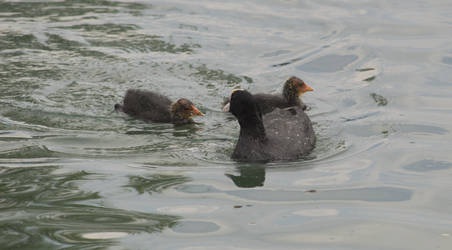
pixel 293 88
pixel 284 134
pixel 150 106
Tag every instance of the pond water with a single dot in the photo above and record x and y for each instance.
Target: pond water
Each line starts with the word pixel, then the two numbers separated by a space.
pixel 74 174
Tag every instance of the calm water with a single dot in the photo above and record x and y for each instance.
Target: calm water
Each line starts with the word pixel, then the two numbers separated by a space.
pixel 75 175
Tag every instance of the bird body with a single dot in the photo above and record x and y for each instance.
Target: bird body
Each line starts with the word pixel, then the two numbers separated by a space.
pixel 269 102
pixel 151 106
pixel 283 134
pixel 293 88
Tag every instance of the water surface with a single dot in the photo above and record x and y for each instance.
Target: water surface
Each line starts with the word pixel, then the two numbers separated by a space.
pixel 74 174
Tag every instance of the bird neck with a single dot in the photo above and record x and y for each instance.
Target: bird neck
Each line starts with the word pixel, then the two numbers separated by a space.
pixel 252 128
pixel 291 95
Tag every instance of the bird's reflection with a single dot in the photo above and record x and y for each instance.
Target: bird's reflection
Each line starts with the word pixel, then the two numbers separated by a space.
pixel 250 175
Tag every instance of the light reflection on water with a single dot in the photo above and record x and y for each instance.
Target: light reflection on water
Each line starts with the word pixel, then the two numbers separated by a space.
pixel 41 208
pixel 75 174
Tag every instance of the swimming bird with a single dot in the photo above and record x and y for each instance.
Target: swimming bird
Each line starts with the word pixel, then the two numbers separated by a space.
pixel 150 106
pixel 283 134
pixel 293 88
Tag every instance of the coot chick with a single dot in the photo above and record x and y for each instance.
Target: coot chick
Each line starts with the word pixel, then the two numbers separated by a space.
pixel 283 134
pixel 150 106
pixel 293 88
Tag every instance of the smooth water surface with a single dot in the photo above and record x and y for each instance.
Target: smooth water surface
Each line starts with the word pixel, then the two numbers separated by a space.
pixel 74 174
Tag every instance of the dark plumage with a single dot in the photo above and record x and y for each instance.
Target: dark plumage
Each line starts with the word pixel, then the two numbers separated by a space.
pixel 293 88
pixel 283 134
pixel 150 106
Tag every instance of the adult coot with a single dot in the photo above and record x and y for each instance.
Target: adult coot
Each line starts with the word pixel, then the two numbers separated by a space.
pixel 283 134
pixel 293 88
pixel 150 106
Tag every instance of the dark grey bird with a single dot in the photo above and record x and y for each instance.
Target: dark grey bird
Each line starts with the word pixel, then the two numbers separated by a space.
pixel 293 88
pixel 150 106
pixel 283 134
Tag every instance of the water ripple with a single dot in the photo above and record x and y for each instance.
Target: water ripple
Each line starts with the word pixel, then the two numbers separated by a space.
pixel 41 209
pixel 155 183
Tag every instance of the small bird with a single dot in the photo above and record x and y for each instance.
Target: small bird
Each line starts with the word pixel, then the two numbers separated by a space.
pixel 283 134
pixel 293 88
pixel 150 106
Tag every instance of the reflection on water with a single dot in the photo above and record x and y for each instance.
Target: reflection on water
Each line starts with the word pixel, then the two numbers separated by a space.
pixel 194 227
pixel 142 43
pixel 379 99
pixel 43 209
pixel 447 60
pixel 379 194
pixel 249 176
pixel 371 194
pixel 329 63
pixel 428 165
pixel 155 183
pixel 208 75
pixel 27 152
pixel 56 11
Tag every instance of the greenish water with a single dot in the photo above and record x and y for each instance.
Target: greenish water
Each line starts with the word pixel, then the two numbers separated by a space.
pixel 74 174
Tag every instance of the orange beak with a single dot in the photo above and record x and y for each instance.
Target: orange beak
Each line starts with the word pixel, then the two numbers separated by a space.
pixel 305 88
pixel 196 111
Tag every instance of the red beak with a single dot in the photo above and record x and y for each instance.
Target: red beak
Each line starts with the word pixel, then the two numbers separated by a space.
pixel 305 88
pixel 196 111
